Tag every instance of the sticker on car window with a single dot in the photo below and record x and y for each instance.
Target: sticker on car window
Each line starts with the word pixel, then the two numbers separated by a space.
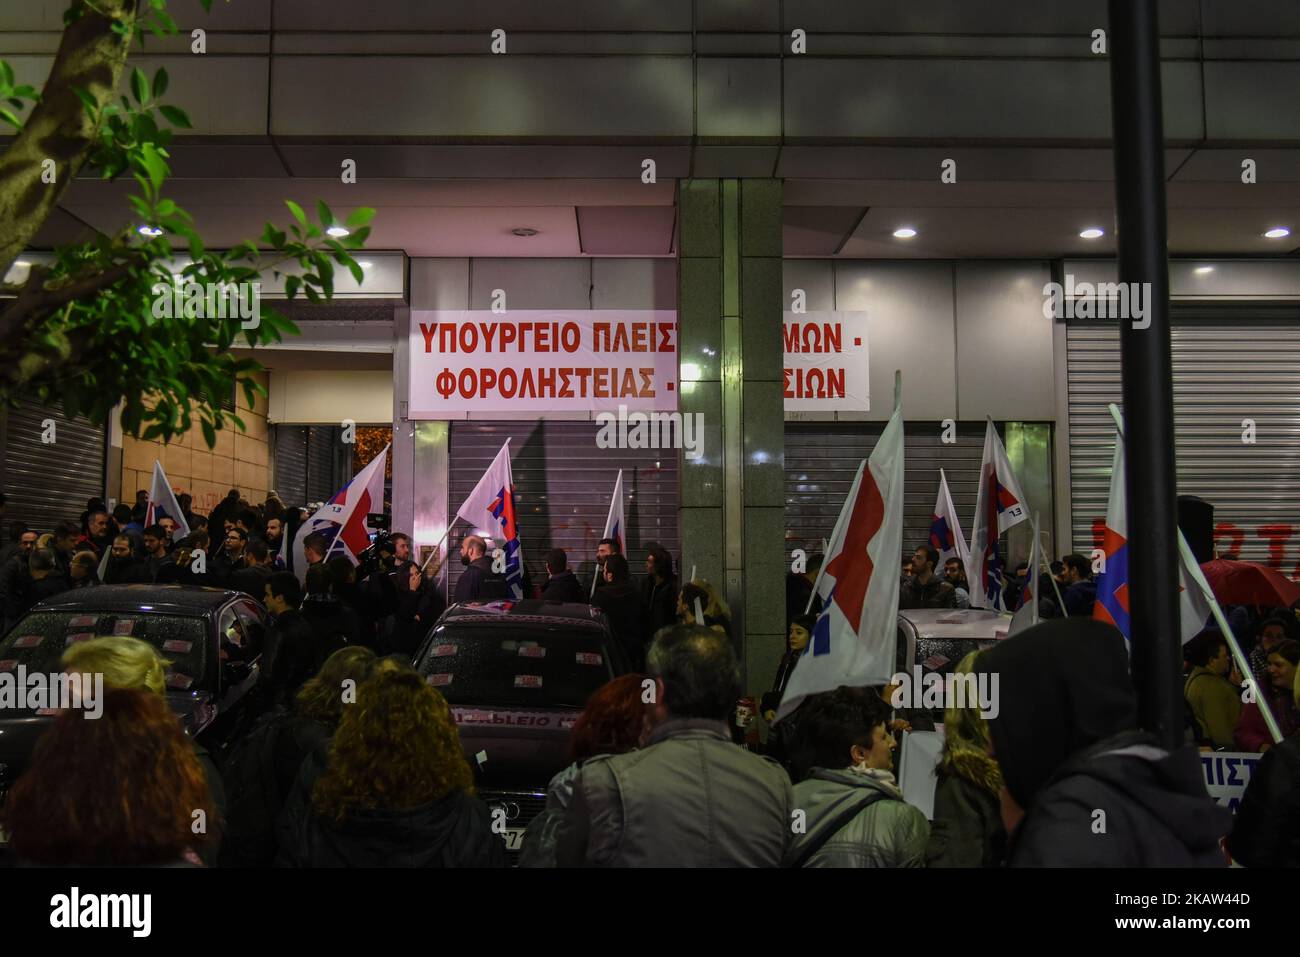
pixel 936 661
pixel 589 658
pixel 443 651
pixel 124 627
pixel 80 636
pixel 178 680
pixel 9 664
pixel 439 679
pixel 29 641
pixel 177 647
pixel 528 681
pixel 81 621
pixel 532 651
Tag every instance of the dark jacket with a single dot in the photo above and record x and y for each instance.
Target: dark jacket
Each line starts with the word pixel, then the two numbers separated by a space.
pixel 936 593
pixel 1096 792
pixel 627 619
pixel 478 582
pixel 14 582
pixel 660 602
pixel 38 591
pixel 126 571
pixel 967 828
pixel 563 587
pixel 1079 598
pixel 772 699
pixel 251 580
pixel 1266 832
pixel 290 657
pixel 416 612
pixel 333 624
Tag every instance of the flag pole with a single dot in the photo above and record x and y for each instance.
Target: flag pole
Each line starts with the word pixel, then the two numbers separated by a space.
pixel 1038 550
pixel 437 546
pixel 1194 568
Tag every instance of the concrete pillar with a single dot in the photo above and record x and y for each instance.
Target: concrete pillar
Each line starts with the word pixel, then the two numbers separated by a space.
pixel 730 343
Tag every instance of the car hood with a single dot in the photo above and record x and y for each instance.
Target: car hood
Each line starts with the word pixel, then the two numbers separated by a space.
pixel 515 747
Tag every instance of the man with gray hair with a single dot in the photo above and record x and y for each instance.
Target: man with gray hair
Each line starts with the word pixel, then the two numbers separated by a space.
pixel 690 798
pixel 44 580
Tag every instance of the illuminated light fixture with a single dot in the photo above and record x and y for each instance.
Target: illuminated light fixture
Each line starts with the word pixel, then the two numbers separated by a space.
pixel 22 264
pixel 1203 270
pixel 1092 232
pixel 338 232
pixel 690 372
pixel 365 264
pixel 1278 232
pixel 150 231
pixel 524 231
pixel 904 232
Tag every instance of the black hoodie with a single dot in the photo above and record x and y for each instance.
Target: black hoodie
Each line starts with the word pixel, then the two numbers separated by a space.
pixel 1097 791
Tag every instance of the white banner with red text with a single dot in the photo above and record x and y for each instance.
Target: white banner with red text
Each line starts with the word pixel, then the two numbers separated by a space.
pixel 826 362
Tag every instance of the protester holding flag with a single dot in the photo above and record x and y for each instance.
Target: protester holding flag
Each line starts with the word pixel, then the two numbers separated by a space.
pixel 162 504
pixel 342 521
pixel 491 505
pixel 611 542
pixel 480 581
pixel 999 506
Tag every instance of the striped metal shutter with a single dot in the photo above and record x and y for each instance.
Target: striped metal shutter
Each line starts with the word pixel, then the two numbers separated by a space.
pixel 821 459
pixel 1224 372
pixel 563 484
pixel 46 484
pixel 324 477
pixel 291 463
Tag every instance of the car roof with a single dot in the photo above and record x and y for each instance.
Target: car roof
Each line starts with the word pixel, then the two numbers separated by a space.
pixel 183 600
pixel 531 609
pixel 970 623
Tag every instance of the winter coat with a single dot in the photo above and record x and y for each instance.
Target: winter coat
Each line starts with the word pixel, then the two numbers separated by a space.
pixel 126 571
pixel 538 847
pixel 1266 831
pixel 627 619
pixel 563 587
pixel 690 798
pixel 478 582
pixel 1216 704
pixel 660 602
pixel 1079 598
pixel 887 832
pixel 967 828
pixel 936 593
pixel 251 580
pixel 1251 733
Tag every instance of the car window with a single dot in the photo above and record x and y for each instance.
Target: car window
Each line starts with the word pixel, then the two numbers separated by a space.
pixel 231 631
pixel 518 665
pixel 254 628
pixel 38 641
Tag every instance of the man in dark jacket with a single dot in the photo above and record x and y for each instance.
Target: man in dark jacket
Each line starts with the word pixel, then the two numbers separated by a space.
pixel 124 567
pixel 925 589
pixel 251 579
pixel 43 579
pixel 1080 592
pixel 479 581
pixel 659 589
pixel 562 584
pixel 289 658
pixel 624 609
pixel 1082 786
pixel 14 580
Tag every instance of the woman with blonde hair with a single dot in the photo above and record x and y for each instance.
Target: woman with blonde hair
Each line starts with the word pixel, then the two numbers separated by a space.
pixel 967 829
pixel 396 790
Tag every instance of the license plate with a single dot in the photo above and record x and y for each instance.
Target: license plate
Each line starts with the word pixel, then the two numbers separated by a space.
pixel 514 838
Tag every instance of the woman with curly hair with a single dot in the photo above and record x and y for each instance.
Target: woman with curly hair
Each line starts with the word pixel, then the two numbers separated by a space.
pixel 125 790
pixel 967 829
pixel 396 790
pixel 616 720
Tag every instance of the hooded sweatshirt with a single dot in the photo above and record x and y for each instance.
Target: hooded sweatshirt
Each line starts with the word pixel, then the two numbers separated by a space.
pixel 1097 791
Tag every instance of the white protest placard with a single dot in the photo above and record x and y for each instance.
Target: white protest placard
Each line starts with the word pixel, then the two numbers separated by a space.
pixel 1227 773
pixel 919 755
pixel 555 360
pixel 826 362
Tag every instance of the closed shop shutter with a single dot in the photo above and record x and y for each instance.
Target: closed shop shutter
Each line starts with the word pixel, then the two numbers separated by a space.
pixel 563 484
pixel 1224 372
pixel 46 484
pixel 323 474
pixel 822 458
pixel 291 463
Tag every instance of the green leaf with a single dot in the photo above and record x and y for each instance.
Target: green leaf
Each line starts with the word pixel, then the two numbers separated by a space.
pixel 176 117
pixel 360 217
pixel 358 273
pixel 159 83
pixel 9 117
pixel 298 214
pixel 326 217
pixel 6 74
pixel 209 433
pixel 139 86
pixel 87 100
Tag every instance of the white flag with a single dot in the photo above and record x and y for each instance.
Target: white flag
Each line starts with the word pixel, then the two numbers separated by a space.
pixel 614 524
pixel 342 520
pixel 945 530
pixel 492 506
pixel 163 504
pixel 855 638
pixel 999 506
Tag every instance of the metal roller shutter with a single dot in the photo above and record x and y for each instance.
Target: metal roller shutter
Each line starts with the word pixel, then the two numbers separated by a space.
pixel 821 459
pixel 562 487
pixel 291 463
pixel 46 484
pixel 323 476
pixel 1224 372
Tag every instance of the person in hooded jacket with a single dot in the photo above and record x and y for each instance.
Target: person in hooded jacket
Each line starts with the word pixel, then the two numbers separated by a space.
pixel 1067 742
pixel 967 828
pixel 396 790
pixel 856 815
pixel 1266 830
pixel 561 583
pixel 615 720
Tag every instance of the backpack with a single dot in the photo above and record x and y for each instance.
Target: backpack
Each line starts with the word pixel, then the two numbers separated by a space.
pixel 253 798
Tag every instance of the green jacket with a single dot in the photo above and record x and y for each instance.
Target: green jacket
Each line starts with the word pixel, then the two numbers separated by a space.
pixel 967 828
pixel 1215 702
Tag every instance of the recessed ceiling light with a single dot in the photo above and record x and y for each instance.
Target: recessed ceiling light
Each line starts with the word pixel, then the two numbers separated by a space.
pixel 365 263
pixel 904 232
pixel 1203 270
pixel 338 232
pixel 1092 232
pixel 524 231
pixel 150 231
pixel 1277 232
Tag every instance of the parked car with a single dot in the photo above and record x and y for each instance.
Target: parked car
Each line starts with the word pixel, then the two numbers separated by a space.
pixel 937 639
pixel 212 637
pixel 517 674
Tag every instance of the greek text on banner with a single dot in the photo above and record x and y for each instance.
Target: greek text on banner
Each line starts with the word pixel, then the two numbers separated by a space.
pixel 826 362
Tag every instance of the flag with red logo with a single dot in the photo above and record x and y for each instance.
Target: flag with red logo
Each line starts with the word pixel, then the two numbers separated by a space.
pixel 945 530
pixel 343 518
pixel 854 640
pixel 491 507
pixel 1112 604
pixel 1000 505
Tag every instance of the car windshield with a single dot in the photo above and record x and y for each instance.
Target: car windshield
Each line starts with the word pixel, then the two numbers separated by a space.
pixel 523 664
pixel 38 641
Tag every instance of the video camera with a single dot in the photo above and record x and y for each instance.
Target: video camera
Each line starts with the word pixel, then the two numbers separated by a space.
pixel 378 555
